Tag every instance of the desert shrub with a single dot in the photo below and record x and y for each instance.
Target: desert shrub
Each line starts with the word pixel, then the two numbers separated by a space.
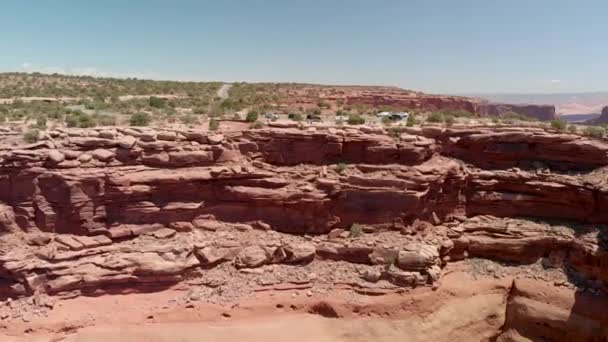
pixel 340 168
pixel 236 116
pixel 257 125
pixel 106 120
pixel 31 136
pixel 459 113
pixel 252 116
pixel 396 131
pixel 572 129
pixel 516 116
pixel 449 120
pixel 594 132
pixel 508 121
pixel 411 120
pixel 495 120
pixel 156 102
pixel 355 230
pixel 214 125
pixel 41 122
pixel 140 119
pixel 355 119
pixel 559 125
pixel 295 116
pixel 435 117
pixel 79 119
pixel 189 119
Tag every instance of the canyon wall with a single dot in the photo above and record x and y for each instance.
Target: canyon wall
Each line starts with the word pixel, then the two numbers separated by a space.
pixel 95 211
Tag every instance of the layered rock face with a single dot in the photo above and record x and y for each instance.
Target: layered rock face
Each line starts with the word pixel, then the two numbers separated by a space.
pixel 98 210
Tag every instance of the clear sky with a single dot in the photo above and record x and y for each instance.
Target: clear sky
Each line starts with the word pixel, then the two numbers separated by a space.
pixel 449 46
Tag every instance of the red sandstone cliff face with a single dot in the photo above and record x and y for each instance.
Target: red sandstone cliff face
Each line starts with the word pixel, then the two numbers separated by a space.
pixel 135 207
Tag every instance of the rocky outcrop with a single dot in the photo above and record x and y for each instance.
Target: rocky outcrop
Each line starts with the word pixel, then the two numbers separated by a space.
pixel 100 211
pixel 539 112
pixel 602 119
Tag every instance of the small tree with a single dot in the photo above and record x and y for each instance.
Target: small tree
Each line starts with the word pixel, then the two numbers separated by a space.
pixel 252 116
pixel 140 119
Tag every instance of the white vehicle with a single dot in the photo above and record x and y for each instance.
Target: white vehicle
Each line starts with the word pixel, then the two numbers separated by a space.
pixel 383 115
pixel 271 116
pixel 400 116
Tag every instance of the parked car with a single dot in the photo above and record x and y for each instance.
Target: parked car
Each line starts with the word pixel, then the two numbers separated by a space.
pixel 271 116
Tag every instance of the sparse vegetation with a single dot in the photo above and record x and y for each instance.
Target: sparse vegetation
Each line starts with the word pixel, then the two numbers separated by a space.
pixel 31 136
pixel 214 125
pixel 140 119
pixel 572 129
pixel 594 132
pixel 435 117
pixel 41 122
pixel 411 120
pixel 355 119
pixel 252 116
pixel 449 120
pixel 355 230
pixel 559 125
pixel 340 168
pixel 295 116
pixel 257 125
pixel 79 119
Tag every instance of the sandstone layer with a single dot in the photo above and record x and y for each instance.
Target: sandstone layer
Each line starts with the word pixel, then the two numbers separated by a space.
pixel 89 212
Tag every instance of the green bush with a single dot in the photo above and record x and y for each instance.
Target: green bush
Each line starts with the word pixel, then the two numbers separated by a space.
pixel 252 116
pixel 214 125
pixel 435 117
pixel 31 136
pixel 189 119
pixel 516 116
pixel 355 230
pixel 449 120
pixel 105 120
pixel 559 125
pixel 41 122
pixel 257 125
pixel 572 129
pixel 156 102
pixel 79 119
pixel 411 120
pixel 594 132
pixel 140 119
pixel 355 119
pixel 295 116
pixel 340 168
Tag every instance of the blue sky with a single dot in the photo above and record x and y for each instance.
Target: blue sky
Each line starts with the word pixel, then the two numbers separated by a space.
pixel 466 46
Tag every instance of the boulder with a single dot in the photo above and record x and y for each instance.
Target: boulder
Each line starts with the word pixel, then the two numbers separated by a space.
pixel 127 142
pixel 55 157
pixel 251 257
pixel 103 155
